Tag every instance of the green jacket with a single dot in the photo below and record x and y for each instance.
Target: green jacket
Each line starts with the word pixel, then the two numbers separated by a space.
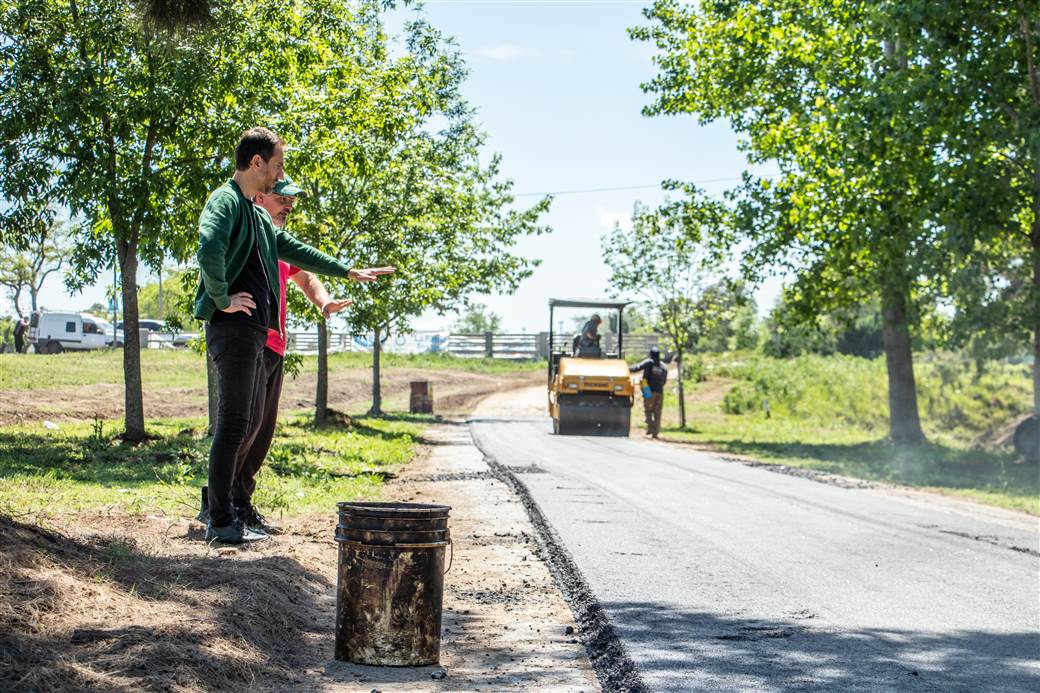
pixel 225 241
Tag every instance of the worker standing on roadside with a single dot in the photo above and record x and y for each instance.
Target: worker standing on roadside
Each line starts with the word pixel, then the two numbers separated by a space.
pixel 655 376
pixel 20 328
pixel 239 249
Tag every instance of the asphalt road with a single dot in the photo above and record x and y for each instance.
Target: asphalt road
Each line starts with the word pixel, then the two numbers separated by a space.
pixel 724 577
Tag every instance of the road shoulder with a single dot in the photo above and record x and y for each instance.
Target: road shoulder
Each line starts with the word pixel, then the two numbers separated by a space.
pixel 505 624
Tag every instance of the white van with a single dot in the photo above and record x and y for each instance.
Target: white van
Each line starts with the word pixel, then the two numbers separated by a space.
pixel 53 333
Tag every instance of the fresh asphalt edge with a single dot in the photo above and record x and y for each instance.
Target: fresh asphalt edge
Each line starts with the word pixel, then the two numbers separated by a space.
pixel 615 669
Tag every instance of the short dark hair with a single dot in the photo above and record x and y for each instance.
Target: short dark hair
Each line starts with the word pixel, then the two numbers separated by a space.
pixel 255 141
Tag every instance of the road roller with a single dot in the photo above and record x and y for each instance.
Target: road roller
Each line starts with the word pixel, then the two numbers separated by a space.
pixel 590 387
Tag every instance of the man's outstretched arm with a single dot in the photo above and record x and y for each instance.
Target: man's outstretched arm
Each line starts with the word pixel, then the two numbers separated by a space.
pixel 316 293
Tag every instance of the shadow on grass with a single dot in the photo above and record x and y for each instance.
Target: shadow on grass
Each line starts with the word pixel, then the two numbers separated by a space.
pixel 929 465
pixel 175 459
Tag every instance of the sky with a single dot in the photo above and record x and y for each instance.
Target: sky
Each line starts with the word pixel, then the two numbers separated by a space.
pixel 556 86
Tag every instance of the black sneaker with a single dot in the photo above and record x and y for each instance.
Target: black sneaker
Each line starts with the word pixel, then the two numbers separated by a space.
pixel 203 515
pixel 253 520
pixel 234 533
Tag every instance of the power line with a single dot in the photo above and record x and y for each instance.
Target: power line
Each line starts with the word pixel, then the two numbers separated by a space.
pixel 623 187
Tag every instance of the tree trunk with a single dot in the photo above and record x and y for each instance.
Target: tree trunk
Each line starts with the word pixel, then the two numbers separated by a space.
pixel 681 391
pixel 131 343
pixel 16 297
pixel 1035 242
pixel 377 396
pixel 321 396
pixel 904 421
pixel 33 296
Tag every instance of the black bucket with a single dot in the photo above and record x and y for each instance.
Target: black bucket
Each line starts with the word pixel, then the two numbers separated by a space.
pixel 390 582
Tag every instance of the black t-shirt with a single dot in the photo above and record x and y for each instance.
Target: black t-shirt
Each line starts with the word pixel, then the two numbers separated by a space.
pixel 252 279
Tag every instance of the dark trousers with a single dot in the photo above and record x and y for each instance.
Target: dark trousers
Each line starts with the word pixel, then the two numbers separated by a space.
pixel 258 443
pixel 19 343
pixel 237 350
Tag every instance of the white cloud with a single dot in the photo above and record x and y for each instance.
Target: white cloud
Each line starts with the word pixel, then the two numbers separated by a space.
pixel 608 217
pixel 505 52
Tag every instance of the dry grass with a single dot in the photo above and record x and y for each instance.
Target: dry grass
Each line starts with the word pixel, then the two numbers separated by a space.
pixel 194 619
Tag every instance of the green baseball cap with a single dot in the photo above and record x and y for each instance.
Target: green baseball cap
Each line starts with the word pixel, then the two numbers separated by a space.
pixel 286 187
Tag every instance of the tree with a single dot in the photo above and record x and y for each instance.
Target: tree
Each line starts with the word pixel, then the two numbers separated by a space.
pixel 26 270
pixel 165 299
pixel 855 331
pixel 121 126
pixel 828 92
pixel 411 190
pixel 130 127
pixel 739 331
pixel 981 60
pixel 663 260
pixel 477 319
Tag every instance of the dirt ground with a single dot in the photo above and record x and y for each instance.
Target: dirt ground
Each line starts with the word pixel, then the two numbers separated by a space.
pixel 455 393
pixel 121 602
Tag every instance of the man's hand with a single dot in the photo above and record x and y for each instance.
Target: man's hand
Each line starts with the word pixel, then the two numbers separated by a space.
pixel 334 306
pixel 242 302
pixel 370 274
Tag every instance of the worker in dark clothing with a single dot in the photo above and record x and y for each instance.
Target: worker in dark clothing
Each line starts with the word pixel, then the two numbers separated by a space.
pixel 655 376
pixel 588 339
pixel 20 328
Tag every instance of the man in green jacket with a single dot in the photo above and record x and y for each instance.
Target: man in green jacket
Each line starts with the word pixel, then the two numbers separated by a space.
pixel 238 254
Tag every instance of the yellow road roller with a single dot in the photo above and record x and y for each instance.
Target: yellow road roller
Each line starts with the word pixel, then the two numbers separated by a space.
pixel 590 387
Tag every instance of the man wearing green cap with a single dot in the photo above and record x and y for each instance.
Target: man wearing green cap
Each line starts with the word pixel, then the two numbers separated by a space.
pixel 239 249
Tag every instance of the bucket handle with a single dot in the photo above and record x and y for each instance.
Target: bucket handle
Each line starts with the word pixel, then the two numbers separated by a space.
pixel 451 556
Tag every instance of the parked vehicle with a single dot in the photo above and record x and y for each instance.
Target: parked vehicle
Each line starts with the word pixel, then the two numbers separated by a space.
pixel 55 332
pixel 159 334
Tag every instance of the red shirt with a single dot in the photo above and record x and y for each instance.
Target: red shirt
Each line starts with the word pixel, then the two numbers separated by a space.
pixel 276 340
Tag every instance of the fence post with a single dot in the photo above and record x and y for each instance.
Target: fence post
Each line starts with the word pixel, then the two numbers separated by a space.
pixel 489 345
pixel 542 345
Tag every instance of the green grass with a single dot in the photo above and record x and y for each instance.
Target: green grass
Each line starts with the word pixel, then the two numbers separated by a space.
pixel 830 414
pixel 83 466
pixel 182 368
pixel 159 369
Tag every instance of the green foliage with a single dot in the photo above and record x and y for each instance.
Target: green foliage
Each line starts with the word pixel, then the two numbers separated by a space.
pixel 663 261
pixel 737 328
pixel 28 258
pixel 856 107
pixel 176 295
pixel 130 126
pixel 824 415
pixel 391 156
pixel 854 331
pixel 839 391
pixel 6 331
pixel 477 319
pixel 82 467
